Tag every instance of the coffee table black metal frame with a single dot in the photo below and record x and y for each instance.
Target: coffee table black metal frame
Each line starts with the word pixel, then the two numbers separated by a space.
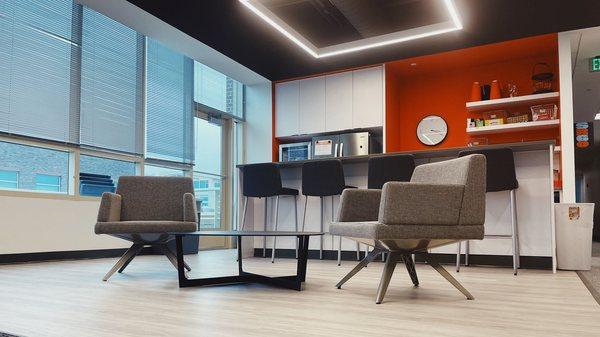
pixel 290 282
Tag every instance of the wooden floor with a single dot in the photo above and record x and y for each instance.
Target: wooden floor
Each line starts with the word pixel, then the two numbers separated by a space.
pixel 69 299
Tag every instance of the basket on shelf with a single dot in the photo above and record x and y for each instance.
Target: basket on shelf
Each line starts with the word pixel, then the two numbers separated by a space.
pixel 517 118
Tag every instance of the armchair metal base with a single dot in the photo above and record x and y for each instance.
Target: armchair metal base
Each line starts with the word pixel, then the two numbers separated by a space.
pixel 139 242
pixel 394 256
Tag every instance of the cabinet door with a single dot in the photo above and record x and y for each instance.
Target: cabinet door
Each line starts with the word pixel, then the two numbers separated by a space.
pixel 312 105
pixel 338 102
pixel 367 97
pixel 286 109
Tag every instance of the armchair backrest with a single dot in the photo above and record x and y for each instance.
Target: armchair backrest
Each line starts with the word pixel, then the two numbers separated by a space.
pixel 153 198
pixel 469 171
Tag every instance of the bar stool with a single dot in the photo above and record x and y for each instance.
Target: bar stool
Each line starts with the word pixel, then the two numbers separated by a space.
pixel 323 178
pixel 264 181
pixel 389 168
pixel 500 176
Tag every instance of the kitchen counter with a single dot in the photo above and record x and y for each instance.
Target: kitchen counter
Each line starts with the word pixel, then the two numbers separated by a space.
pixel 534 164
pixel 427 154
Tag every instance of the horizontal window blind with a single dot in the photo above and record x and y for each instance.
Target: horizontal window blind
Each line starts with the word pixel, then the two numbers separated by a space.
pixel 112 84
pixel 39 57
pixel 217 91
pixel 169 115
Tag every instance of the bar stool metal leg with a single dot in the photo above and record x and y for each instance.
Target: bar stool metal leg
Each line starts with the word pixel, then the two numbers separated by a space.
pixel 241 228
pixel 458 258
pixel 514 229
pixel 265 238
pixel 275 229
pixel 296 220
pixel 321 229
pixel 304 212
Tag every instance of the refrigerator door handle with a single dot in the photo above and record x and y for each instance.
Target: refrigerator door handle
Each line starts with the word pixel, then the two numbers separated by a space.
pixel 335 150
pixel 341 150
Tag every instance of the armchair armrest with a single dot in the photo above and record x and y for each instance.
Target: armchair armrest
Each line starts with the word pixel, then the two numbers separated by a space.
pixel 110 208
pixel 420 203
pixel 359 205
pixel 190 212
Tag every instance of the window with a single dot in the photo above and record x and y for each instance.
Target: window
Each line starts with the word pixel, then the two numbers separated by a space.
pixel 35 166
pixel 217 91
pixel 208 192
pixel 98 175
pixel 45 182
pixel 152 170
pixel 169 109
pixel 200 184
pixel 39 55
pixel 9 179
pixel 112 84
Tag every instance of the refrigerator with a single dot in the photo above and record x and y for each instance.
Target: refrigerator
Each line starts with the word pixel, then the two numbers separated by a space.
pixel 343 145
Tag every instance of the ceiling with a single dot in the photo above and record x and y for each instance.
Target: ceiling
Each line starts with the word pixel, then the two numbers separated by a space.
pixel 230 28
pixel 586 84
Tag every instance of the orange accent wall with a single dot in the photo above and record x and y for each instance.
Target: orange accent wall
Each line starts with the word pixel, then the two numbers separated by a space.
pixel 440 84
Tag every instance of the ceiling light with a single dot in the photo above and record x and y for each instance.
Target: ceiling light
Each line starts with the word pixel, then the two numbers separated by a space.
pixel 377 41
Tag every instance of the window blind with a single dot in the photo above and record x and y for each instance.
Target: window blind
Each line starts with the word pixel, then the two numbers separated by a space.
pixel 169 114
pixel 39 56
pixel 112 84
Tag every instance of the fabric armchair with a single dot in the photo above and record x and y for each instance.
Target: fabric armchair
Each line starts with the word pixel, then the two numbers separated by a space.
pixel 145 210
pixel 443 203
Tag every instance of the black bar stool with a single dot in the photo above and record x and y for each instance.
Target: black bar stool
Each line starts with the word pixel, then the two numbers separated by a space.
pixel 264 181
pixel 387 168
pixel 323 178
pixel 500 176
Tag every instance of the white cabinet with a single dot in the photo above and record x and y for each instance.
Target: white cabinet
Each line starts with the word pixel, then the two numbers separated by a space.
pixel 338 101
pixel 367 97
pixel 311 112
pixel 286 108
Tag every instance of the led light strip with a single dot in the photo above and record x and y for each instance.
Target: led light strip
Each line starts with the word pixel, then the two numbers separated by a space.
pixel 367 43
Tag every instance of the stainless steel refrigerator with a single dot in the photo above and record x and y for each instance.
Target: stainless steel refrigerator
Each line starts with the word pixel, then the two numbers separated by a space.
pixel 344 145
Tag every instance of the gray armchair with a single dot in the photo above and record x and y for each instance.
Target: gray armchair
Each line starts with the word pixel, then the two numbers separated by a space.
pixel 144 210
pixel 443 203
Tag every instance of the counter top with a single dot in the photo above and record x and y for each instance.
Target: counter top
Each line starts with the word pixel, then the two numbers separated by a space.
pixel 434 153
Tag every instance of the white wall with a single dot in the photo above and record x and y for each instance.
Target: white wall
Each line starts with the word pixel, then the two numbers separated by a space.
pixel 258 130
pixel 35 224
pixel 566 115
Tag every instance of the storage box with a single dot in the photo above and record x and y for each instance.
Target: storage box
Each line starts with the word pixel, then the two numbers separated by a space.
pixel 517 117
pixel 497 117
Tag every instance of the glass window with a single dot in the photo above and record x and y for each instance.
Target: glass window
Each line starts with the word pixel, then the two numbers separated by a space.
pixel 207 137
pixel 38 68
pixel 98 175
pixel 34 166
pixel 112 84
pixel 9 179
pixel 151 170
pixel 215 90
pixel 169 104
pixel 46 182
pixel 207 189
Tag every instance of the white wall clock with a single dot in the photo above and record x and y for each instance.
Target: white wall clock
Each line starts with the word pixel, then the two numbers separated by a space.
pixel 432 130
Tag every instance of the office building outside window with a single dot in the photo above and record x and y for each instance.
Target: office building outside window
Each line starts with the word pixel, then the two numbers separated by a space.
pixel 9 179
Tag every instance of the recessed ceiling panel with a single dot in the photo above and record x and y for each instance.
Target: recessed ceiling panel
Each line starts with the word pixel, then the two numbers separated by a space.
pixel 331 27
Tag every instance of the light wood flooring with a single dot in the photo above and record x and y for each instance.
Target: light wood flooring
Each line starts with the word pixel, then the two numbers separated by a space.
pixel 69 299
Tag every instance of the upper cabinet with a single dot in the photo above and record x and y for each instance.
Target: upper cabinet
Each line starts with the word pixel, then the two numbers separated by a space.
pixel 286 108
pixel 338 102
pixel 368 97
pixel 312 105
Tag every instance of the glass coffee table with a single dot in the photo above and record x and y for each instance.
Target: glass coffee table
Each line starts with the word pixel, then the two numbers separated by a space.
pixel 290 282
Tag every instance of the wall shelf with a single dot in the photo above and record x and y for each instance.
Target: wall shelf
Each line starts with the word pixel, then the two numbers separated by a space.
pixel 502 103
pixel 526 126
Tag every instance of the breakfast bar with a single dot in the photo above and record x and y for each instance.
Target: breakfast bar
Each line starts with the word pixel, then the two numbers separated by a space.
pixel 534 163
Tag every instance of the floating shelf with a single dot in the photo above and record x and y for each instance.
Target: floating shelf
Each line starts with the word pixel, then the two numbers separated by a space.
pixel 494 104
pixel 525 126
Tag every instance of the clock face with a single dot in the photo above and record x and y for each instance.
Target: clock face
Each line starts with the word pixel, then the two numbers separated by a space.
pixel 432 130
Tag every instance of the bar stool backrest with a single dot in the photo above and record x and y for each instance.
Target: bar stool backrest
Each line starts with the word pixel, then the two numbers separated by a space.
pixel 323 178
pixel 261 180
pixel 390 168
pixel 501 174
